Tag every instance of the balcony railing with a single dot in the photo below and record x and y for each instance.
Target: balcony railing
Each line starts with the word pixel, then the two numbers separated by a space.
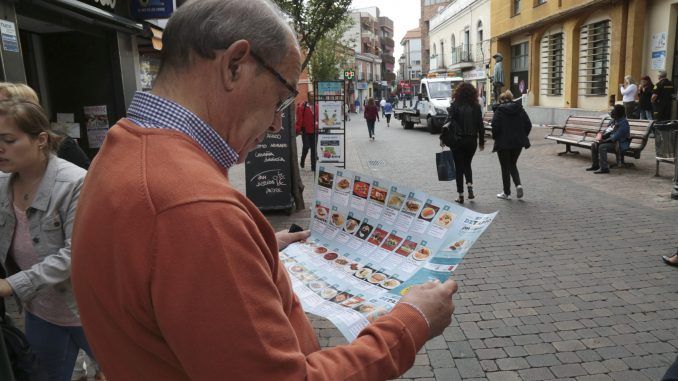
pixel 388 41
pixel 462 53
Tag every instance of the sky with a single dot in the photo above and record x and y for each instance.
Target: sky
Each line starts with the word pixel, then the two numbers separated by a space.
pixel 404 13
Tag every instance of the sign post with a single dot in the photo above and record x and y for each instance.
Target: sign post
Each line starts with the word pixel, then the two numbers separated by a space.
pixel 330 98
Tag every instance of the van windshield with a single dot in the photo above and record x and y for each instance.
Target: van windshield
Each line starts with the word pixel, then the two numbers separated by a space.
pixel 440 89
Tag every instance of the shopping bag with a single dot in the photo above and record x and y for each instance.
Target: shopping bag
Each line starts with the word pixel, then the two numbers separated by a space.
pixel 445 166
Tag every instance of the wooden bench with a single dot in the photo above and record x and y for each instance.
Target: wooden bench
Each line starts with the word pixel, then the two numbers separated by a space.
pixel 668 157
pixel 579 131
pixel 487 122
pixel 640 134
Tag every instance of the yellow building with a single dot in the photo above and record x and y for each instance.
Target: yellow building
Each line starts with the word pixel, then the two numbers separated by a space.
pixel 575 53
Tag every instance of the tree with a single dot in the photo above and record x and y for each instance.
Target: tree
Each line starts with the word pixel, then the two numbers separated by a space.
pixel 313 19
pixel 332 53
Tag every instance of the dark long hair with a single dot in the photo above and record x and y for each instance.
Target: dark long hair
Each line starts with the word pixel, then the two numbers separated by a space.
pixel 465 93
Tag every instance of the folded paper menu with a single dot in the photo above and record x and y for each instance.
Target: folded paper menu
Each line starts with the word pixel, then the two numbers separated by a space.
pixel 371 240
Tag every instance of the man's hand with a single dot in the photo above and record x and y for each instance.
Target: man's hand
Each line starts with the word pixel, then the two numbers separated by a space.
pixel 285 238
pixel 5 288
pixel 434 300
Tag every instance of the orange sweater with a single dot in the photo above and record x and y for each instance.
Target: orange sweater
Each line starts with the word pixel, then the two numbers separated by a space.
pixel 177 277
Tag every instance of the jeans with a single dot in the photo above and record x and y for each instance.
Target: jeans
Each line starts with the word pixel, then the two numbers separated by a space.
pixel 370 127
pixel 599 155
pixel 56 346
pixel 630 109
pixel 388 118
pixel 308 141
pixel 463 153
pixel 646 114
pixel 508 160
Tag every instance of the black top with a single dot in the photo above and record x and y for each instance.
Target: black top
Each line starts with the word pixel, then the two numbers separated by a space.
pixel 510 127
pixel 69 150
pixel 664 90
pixel 468 119
pixel 644 97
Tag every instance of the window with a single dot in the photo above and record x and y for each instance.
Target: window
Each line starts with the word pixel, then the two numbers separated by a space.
pixel 435 50
pixel 551 73
pixel 539 2
pixel 516 7
pixel 595 58
pixel 519 57
pixel 480 31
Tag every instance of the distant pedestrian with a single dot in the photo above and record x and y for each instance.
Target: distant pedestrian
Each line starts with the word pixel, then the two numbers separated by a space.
pixel 347 112
pixel 307 126
pixel 382 103
pixel 371 116
pixel 629 90
pixel 510 131
pixel 661 97
pixel 616 138
pixel 645 98
pixel 357 105
pixel 464 133
pixel 388 111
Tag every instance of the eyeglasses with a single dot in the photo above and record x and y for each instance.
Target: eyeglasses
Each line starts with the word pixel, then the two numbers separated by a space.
pixel 285 102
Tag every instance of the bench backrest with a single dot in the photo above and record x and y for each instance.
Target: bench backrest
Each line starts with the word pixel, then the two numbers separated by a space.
pixel 640 133
pixel 582 125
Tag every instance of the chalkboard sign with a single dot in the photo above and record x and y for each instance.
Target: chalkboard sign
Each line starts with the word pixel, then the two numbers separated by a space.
pixel 268 170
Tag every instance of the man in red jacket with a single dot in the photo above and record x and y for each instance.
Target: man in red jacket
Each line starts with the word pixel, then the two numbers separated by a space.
pixel 307 127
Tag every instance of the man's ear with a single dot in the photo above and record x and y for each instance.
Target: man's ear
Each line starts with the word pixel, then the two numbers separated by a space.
pixel 232 63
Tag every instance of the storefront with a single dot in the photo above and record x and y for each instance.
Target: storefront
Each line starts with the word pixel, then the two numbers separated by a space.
pixel 81 57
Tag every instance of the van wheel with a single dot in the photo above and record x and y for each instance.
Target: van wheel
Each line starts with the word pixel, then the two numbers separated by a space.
pixel 409 125
pixel 403 123
pixel 430 126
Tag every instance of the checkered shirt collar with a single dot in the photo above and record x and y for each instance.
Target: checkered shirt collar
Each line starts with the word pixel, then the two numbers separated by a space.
pixel 151 111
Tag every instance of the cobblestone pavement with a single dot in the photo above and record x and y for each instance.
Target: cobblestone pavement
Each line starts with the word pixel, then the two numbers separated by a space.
pixel 567 284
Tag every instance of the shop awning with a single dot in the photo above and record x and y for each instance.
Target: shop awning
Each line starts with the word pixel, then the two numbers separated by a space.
pixel 90 14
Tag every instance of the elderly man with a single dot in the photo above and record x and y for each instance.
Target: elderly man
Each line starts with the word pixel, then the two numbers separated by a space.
pixel 661 97
pixel 176 273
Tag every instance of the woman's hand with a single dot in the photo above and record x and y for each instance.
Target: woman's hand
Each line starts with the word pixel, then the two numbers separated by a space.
pixel 5 289
pixel 285 238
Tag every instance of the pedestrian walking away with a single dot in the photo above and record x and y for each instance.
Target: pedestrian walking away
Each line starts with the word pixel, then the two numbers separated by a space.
pixel 382 103
pixel 645 98
pixel 464 132
pixel 371 115
pixel 176 273
pixel 616 138
pixel 388 111
pixel 511 128
pixel 661 97
pixel 307 127
pixel 629 91
pixel 38 198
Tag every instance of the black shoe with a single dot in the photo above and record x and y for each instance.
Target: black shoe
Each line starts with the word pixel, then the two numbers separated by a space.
pixel 459 200
pixel 471 196
pixel 600 171
pixel 667 260
pixel 592 168
pixel 301 164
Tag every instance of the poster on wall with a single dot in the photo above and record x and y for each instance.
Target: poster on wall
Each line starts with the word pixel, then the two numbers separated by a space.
pixel 96 120
pixel 659 60
pixel 330 115
pixel 330 148
pixel 659 51
pixel 9 40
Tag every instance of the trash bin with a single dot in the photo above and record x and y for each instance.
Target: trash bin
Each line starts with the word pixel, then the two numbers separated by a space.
pixel 665 142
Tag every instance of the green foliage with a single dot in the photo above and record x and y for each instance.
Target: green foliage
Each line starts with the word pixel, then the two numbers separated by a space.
pixel 313 20
pixel 332 54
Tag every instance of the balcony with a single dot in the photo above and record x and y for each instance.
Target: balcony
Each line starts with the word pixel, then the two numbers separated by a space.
pixel 462 56
pixel 386 58
pixel 388 41
pixel 385 22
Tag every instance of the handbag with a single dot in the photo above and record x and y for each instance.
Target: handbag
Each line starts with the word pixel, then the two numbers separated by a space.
pixel 445 166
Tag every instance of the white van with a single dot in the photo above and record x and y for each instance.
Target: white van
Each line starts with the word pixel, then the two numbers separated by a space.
pixel 430 105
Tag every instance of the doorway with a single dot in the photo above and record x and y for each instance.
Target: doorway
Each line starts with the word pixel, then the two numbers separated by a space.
pixel 519 69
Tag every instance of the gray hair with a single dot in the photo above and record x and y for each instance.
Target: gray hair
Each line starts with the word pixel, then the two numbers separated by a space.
pixel 203 26
pixel 661 74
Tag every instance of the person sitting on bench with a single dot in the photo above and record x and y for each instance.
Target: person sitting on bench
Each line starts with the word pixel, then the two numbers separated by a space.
pixel 620 134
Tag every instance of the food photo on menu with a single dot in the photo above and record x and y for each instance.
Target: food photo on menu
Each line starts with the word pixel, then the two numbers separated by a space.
pixel 391 237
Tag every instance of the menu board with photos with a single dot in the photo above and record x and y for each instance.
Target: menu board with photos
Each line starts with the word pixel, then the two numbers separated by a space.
pixel 371 240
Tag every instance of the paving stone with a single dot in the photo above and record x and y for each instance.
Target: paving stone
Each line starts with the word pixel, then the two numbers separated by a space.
pixel 460 349
pixel 615 365
pixel 526 339
pixel 447 374
pixel 595 377
pixel 513 363
pixel 490 354
pixel 598 342
pixel 569 345
pixel 418 372
pixel 613 352
pixel 498 342
pixel 436 343
pixel 628 375
pixel 440 358
pixel 453 334
pixel 588 355
pixel 568 325
pixel 469 368
pixel 568 357
pixel 536 374
pixel 503 376
pixel 568 370
pixel 516 351
pixel 594 367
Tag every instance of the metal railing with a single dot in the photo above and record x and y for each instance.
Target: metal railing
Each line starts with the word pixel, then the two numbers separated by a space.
pixel 462 53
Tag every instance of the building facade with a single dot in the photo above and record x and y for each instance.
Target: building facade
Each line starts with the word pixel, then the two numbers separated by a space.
pixel 459 38
pixel 411 69
pixel 575 53
pixel 429 8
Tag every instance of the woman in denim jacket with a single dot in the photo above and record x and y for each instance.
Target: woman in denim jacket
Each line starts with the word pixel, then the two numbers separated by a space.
pixel 38 198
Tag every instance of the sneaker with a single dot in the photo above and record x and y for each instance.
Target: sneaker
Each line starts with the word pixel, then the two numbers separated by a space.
pixel 503 196
pixel 519 191
pixel 471 195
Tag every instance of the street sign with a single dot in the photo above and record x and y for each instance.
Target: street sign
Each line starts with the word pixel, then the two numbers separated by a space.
pixel 349 74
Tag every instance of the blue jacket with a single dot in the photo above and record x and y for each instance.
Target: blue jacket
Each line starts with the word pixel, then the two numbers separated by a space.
pixel 622 133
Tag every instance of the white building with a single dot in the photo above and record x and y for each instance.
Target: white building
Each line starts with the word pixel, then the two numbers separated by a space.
pixel 460 42
pixel 412 56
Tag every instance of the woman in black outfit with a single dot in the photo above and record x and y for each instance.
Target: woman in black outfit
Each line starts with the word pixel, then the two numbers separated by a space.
pixel 645 98
pixel 463 133
pixel 510 131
